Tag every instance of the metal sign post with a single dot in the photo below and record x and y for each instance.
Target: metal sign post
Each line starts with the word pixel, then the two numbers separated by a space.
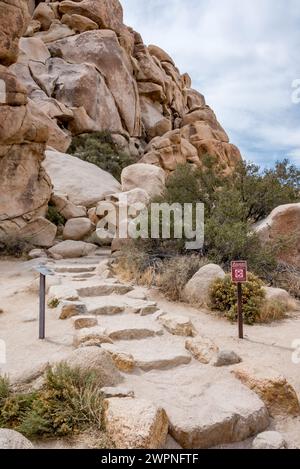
pixel 43 271
pixel 239 271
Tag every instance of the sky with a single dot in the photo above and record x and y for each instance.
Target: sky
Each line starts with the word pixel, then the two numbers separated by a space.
pixel 244 56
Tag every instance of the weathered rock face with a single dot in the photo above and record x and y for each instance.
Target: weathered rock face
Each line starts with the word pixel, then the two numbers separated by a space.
pixel 24 185
pixel 84 183
pixel 96 74
pixel 283 222
pixel 80 69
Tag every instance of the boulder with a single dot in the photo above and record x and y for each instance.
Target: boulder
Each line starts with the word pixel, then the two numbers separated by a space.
pixel 79 23
pixel 72 308
pixel 203 349
pixel 135 423
pixel 177 325
pixel 144 176
pixel 39 232
pixel 94 358
pixel 10 439
pixel 66 208
pixel 72 249
pixel 84 183
pixel 279 396
pixel 107 14
pixel 14 19
pixel 269 440
pixel 283 222
pixel 198 288
pixel 77 229
pixel 44 14
pixel 279 295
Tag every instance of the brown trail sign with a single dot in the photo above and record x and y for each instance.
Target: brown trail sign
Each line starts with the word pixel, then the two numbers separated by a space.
pixel 239 271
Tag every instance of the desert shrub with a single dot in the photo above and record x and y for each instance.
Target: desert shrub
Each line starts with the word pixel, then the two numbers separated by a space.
pixel 4 388
pixel 69 402
pixel 12 245
pixel 54 216
pixel 223 297
pixel 176 272
pixel 99 148
pixel 288 278
pixel 272 310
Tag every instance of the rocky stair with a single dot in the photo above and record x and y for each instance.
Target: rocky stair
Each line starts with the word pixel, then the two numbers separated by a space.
pixel 205 406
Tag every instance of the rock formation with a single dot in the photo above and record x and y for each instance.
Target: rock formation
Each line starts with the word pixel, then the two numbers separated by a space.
pixel 80 69
pixel 24 186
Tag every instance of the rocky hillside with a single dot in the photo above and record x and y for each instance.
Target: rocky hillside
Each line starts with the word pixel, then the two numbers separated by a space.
pixel 69 67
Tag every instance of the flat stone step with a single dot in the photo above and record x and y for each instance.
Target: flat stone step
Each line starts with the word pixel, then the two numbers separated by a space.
pixel 127 327
pixel 75 269
pixel 117 304
pixel 205 407
pixel 102 289
pixel 157 353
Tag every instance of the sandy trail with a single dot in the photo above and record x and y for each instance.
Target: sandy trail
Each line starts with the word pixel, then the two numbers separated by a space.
pixel 269 346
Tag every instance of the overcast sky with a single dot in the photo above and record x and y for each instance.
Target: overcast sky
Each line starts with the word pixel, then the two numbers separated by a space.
pixel 243 55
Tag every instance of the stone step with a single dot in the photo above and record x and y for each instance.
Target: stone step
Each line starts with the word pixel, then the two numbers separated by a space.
pixel 205 407
pixel 157 353
pixel 127 327
pixel 75 269
pixel 116 304
pixel 102 289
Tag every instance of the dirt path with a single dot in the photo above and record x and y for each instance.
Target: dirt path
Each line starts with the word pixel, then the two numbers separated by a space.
pixel 194 395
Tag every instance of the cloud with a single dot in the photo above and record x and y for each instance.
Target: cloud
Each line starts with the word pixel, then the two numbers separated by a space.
pixel 243 56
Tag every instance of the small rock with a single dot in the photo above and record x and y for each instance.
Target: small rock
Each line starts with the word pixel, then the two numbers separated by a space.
pixel 82 322
pixel 77 228
pixel 226 358
pixel 72 308
pixel 36 253
pixel 123 361
pixel 135 423
pixel 95 335
pixel 117 392
pixel 149 308
pixel 137 294
pixel 274 390
pixel 178 325
pixel 203 349
pixel 269 440
pixel 98 360
pixel 10 439
pixel 72 249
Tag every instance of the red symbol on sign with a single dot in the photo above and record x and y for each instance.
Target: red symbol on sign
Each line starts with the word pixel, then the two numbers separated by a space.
pixel 239 271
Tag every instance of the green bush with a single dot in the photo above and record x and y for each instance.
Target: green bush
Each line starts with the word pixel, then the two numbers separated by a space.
pixel 99 148
pixel 69 402
pixel 13 245
pixel 223 297
pixel 54 216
